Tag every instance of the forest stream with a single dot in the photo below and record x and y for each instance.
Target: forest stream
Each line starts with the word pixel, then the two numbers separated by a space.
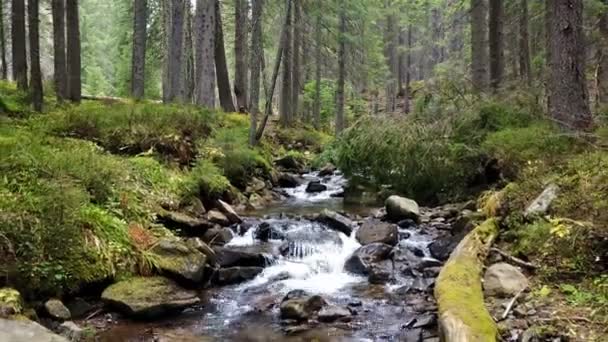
pixel 307 261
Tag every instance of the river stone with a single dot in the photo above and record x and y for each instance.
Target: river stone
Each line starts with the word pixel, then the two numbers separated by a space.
pixel 541 204
pixel 202 247
pixel 218 236
pixel 290 163
pixel 229 257
pixel 380 273
pixel 298 305
pixel 56 310
pixel 289 180
pixel 229 212
pixel 177 258
pixel 364 257
pixel 235 275
pixel 79 307
pixel 26 331
pixel 442 248
pixel 332 313
pixel 148 298
pixel 400 208
pixel 71 331
pixel 265 231
pixel 336 221
pixel 411 335
pixel 11 302
pixel 215 216
pixel 372 231
pixel 502 279
pixel 315 186
pixel 187 223
pixel 327 170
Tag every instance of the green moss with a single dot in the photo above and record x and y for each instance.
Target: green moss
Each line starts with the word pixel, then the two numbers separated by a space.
pixel 458 289
pixel 11 299
pixel 204 180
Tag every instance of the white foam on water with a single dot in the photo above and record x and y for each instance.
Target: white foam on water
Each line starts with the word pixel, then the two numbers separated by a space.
pixel 335 185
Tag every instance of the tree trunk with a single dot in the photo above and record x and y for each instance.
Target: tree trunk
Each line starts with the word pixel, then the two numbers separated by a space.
pixel 479 51
pixel 496 39
pixel 275 72
pixel 548 49
pixel 205 26
pixel 221 67
pixel 3 65
pixel 73 51
pixel 18 43
pixel 341 71
pixel 241 30
pixel 175 40
pixel 525 69
pixel 391 61
pixel 36 76
pixel 569 98
pixel 255 64
pixel 408 67
pixel 602 67
pixel 296 67
pixel 286 85
pixel 318 56
pixel 59 62
pixel 187 86
pixel 140 18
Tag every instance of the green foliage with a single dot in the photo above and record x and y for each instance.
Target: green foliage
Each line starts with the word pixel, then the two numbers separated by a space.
pixel 12 100
pixel 205 180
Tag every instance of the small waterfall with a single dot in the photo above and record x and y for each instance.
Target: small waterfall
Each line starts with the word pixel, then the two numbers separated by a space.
pixel 334 183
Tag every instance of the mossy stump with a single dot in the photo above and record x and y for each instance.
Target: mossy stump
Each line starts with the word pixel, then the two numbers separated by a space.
pixel 462 314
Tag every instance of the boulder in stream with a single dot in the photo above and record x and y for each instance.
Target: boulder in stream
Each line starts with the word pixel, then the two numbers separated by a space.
pixel 399 208
pixel 26 331
pixel 235 275
pixel 218 236
pixel 266 231
pixel 372 231
pixel 229 257
pixel 56 310
pixel 289 180
pixel 300 306
pixel 332 313
pixel 215 216
pixel 176 258
pixel 148 298
pixel 327 170
pixel 315 187
pixel 361 261
pixel 184 222
pixel 336 221
pixel 229 212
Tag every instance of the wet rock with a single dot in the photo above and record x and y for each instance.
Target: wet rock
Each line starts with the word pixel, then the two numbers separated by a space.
pixel 299 306
pixel 56 310
pixel 423 321
pixel 336 221
pixel 148 298
pixel 26 331
pixel 181 221
pixel 290 163
pixel 218 236
pixel 380 273
pixel 416 250
pixel 289 180
pixel 422 285
pixel 355 303
pixel 265 231
pixel 79 307
pixel 503 279
pixel 255 185
pixel 372 231
pixel 327 170
pixel 71 331
pixel 541 204
pixel 443 247
pixel 215 216
pixel 407 224
pixel 315 186
pixel 229 257
pixel 256 202
pixel 464 224
pixel 411 335
pixel 178 259
pixel 364 257
pixel 194 207
pixel 229 212
pixel 400 208
pixel 332 313
pixel 340 194
pixel 202 247
pixel 235 275
pixel 431 272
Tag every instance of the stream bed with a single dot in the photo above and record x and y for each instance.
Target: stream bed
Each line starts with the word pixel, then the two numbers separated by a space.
pixel 306 255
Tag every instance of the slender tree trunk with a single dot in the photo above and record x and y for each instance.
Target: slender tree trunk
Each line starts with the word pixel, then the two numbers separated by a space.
pixel 548 50
pixel 188 85
pixel 275 71
pixel 286 85
pixel 341 71
pixel 59 62
pixel 569 97
pixel 175 54
pixel 36 75
pixel 221 67
pixel 241 30
pixel 408 70
pixel 140 19
pixel 255 64
pixel 296 67
pixel 3 65
pixel 73 51
pixel 205 26
pixel 479 48
pixel 400 62
pixel 602 66
pixel 318 63
pixel 525 69
pixel 497 58
pixel 18 43
pixel 390 40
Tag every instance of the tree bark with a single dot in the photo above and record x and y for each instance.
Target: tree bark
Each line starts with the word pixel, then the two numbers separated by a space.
pixel 479 51
pixel 318 56
pixel 601 75
pixel 241 29
pixel 18 43
pixel 73 51
pixel 408 71
pixel 175 40
pixel 188 86
pixel 3 65
pixel 496 39
pixel 525 69
pixel 390 39
pixel 569 104
pixel 255 64
pixel 341 71
pixel 295 64
pixel 221 67
pixel 286 85
pixel 140 18
pixel 36 75
pixel 59 61
pixel 206 24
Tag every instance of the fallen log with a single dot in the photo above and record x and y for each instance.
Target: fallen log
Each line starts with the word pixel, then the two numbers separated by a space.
pixel 462 313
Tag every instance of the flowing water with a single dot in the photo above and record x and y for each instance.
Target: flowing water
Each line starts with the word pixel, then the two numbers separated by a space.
pixel 249 311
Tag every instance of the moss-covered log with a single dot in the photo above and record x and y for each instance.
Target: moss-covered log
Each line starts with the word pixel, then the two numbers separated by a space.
pixel 462 314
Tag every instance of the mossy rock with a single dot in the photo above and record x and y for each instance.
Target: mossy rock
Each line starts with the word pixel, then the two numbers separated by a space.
pixel 176 258
pixel 148 298
pixel 11 303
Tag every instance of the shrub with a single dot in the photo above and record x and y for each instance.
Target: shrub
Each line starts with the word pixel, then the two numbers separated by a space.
pixel 204 180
